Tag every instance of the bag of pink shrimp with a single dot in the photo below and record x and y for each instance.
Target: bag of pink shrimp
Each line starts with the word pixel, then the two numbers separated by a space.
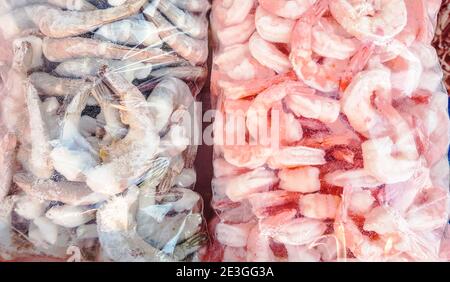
pixel 331 132
pixel 98 129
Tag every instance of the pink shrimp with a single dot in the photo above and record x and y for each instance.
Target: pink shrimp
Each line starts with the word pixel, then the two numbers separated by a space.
pixel 266 203
pixel 231 12
pixel 418 27
pixel 246 156
pixel 319 206
pixel 259 180
pixel 258 247
pixel 235 34
pixel 268 54
pixel 310 182
pixel 273 28
pixel 292 157
pixel 233 235
pixel 290 9
pixel 299 231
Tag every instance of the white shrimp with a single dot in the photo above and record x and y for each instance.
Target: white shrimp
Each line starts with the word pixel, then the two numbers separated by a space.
pixel 130 32
pixel 50 85
pixel 383 21
pixel 34 55
pixel 30 207
pixel 8 143
pixel 195 6
pixel 273 28
pixel 125 164
pixel 268 55
pixel 42 17
pixel 352 178
pixel 70 216
pixel 77 5
pixel 40 161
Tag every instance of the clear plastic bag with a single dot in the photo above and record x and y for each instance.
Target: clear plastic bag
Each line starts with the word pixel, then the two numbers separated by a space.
pixel 331 133
pixel 98 129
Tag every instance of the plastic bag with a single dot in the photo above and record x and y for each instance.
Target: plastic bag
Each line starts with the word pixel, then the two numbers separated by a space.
pixel 98 128
pixel 332 132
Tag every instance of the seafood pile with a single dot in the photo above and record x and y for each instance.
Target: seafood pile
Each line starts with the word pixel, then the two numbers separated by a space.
pixel 332 132
pixel 97 121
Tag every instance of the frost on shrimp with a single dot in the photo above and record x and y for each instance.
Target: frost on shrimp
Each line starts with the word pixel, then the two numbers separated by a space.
pixel 8 144
pixel 290 9
pixel 78 5
pixel 273 28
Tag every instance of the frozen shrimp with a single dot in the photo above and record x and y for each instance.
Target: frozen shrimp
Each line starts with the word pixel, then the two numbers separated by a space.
pixel 130 32
pixel 70 216
pixel 258 247
pixel 313 106
pixel 268 54
pixel 235 34
pixel 32 57
pixel 40 161
pixel 302 254
pixel 352 178
pixel 233 235
pixel 71 193
pixel 380 24
pixel 125 164
pixel 309 175
pixel 78 5
pixel 241 186
pixel 290 9
pixel 247 156
pixel 194 6
pixel 190 73
pixel 263 204
pixel 50 85
pixel 8 144
pixel 232 12
pixel 194 26
pixel 43 17
pixel 83 67
pixel 29 207
pixel 194 50
pixel 299 231
pixel 273 28
pixel 59 50
pixel 291 157
pixel 331 41
pixel 418 24
pixel 319 206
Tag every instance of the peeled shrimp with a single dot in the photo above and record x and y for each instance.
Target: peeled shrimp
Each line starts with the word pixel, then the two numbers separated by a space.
pixel 258 246
pixel 299 231
pixel 126 164
pixel 130 32
pixel 194 50
pixel 291 157
pixel 352 178
pixel 241 186
pixel 319 206
pixel 290 9
pixel 70 23
pixel 77 5
pixel 313 106
pixel 268 55
pixel 385 21
pixel 59 50
pixel 7 148
pixel 194 26
pixel 235 34
pixel 232 12
pixel 247 156
pixel 71 193
pixel 273 28
pixel 40 162
pixel 309 176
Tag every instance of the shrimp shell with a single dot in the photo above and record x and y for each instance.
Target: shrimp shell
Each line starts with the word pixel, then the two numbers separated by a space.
pixel 8 144
pixel 77 5
pixel 57 86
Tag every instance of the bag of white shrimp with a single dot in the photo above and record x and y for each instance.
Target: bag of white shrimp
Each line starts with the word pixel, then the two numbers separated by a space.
pixel 98 129
pixel 332 132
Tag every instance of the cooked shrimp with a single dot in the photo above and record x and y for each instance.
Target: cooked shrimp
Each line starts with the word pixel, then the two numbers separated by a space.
pixel 291 157
pixel 233 235
pixel 384 20
pixel 71 193
pixel 299 231
pixel 83 67
pixel 302 254
pixel 268 54
pixel 352 178
pixel 290 9
pixel 273 28
pixel 194 6
pixel 77 5
pixel 130 32
pixel 310 182
pixel 224 168
pixel 40 161
pixel 125 164
pixel 193 50
pixel 235 34
pixel 8 143
pixel 290 129
pixel 331 41
pixel 319 206
pixel 418 24
pixel 241 186
pixel 258 247
pixel 194 26
pixel 246 156
pixel 59 50
pixel 263 204
pixel 232 12
pixel 356 101
pixel 43 17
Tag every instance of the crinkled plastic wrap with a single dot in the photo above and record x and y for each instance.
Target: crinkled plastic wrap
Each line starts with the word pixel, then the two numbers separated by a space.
pixel 97 129
pixel 331 132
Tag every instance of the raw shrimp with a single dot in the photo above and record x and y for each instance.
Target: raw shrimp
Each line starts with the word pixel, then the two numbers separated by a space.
pixel 352 178
pixel 79 5
pixel 40 161
pixel 71 193
pixel 319 206
pixel 125 164
pixel 194 50
pixel 273 28
pixel 195 6
pixel 56 86
pixel 130 32
pixel 331 41
pixel 241 186
pixel 292 157
pixel 194 26
pixel 356 101
pixel 309 176
pixel 302 254
pixel 70 23
pixel 383 21
pixel 8 144
pixel 70 216
pixel 190 73
pixel 59 50
pixel 290 9
pixel 83 67
pixel 268 54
